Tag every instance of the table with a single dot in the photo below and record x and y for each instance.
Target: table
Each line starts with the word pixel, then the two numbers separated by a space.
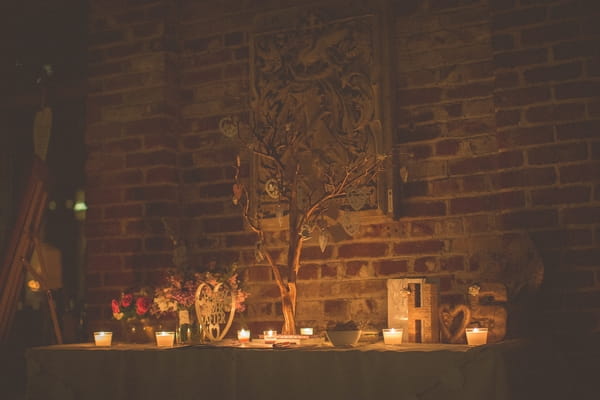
pixel 370 371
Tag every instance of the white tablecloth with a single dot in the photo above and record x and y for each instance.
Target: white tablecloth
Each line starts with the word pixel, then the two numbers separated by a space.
pixel 372 371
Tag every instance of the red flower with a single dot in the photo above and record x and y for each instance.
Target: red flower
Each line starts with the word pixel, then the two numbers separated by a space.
pixel 142 305
pixel 126 300
pixel 115 307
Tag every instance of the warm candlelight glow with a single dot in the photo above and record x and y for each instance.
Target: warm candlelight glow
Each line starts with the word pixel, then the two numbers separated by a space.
pixel 165 339
pixel 476 336
pixel 243 335
pixel 392 336
pixel 270 336
pixel 103 338
pixel 306 331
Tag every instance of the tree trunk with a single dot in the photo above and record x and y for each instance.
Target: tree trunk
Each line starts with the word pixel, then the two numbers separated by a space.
pixel 288 308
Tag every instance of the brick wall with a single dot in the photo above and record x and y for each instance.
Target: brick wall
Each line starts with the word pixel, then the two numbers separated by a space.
pixel 497 124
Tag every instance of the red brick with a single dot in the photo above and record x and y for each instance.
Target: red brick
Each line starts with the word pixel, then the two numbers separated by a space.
pixel 583 258
pixel 104 38
pixel 336 309
pixel 412 97
pixel 507 79
pixel 99 229
pixel 556 112
pixel 452 263
pixel 161 140
pixel 517 58
pixel 202 44
pixel 471 126
pixel 422 228
pixel 422 209
pixel 122 279
pixel 146 159
pixel 447 147
pixel 143 227
pixel 122 178
pixel 576 49
pixel 443 4
pixel 259 274
pixel 353 268
pixel 570 194
pixel 104 162
pixel 579 130
pixel 329 271
pixel 476 89
pixel 577 89
pixel 223 224
pixel 122 245
pixel 445 187
pixel 215 191
pixel 160 243
pixel 503 42
pixel 156 125
pixel 530 219
pixel 420 246
pixel 562 238
pixel 202 76
pixel 525 136
pixel 123 146
pixel 102 196
pixel 241 240
pixel 148 261
pixel 486 163
pixel 162 209
pixel 507 118
pixel 420 152
pixel 308 272
pixel 390 267
pixel 525 177
pixel 426 265
pixel 557 153
pixel 560 72
pixel 203 174
pixel 162 175
pixel 123 211
pixel 549 33
pixel 315 253
pixel 362 250
pixel 518 18
pixel 521 96
pixel 150 193
pixel 581 215
pixel 199 209
pixel 588 172
pixel 475 183
pixel 498 201
pixel 97 262
pixel 239 70
pixel 418 133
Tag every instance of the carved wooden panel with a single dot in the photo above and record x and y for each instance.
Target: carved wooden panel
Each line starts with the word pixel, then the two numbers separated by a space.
pixel 317 74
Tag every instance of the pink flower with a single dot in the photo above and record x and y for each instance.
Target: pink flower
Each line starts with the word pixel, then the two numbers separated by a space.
pixel 142 305
pixel 126 300
pixel 115 307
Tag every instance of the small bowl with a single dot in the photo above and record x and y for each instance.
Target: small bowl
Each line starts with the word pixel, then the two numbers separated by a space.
pixel 343 338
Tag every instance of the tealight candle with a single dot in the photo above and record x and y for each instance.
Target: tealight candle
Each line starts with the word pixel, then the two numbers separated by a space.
pixel 306 331
pixel 243 335
pixel 270 336
pixel 165 339
pixel 103 338
pixel 476 336
pixel 392 336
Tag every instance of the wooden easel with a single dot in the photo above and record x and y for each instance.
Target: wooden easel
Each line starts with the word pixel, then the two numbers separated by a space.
pixel 24 240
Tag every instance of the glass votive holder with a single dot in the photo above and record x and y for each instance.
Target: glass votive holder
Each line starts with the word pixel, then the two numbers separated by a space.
pixel 306 331
pixel 102 338
pixel 393 335
pixel 243 335
pixel 476 336
pixel 165 339
pixel 270 336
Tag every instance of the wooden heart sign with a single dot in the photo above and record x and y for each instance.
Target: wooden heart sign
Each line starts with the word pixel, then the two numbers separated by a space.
pixel 215 309
pixel 454 331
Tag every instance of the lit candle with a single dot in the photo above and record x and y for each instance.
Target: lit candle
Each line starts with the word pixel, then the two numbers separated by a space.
pixel 476 336
pixel 103 338
pixel 270 336
pixel 306 331
pixel 243 335
pixel 392 336
pixel 165 339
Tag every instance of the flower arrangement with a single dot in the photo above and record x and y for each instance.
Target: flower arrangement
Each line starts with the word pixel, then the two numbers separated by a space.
pixel 132 305
pixel 179 288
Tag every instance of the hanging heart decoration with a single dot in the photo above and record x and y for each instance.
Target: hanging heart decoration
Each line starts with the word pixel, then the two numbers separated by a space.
pixel 357 198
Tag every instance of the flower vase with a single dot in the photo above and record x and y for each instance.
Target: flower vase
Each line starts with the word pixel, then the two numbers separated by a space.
pixel 138 331
pixel 188 330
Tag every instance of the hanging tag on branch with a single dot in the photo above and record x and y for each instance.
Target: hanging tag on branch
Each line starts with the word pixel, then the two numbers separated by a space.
pixel 323 240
